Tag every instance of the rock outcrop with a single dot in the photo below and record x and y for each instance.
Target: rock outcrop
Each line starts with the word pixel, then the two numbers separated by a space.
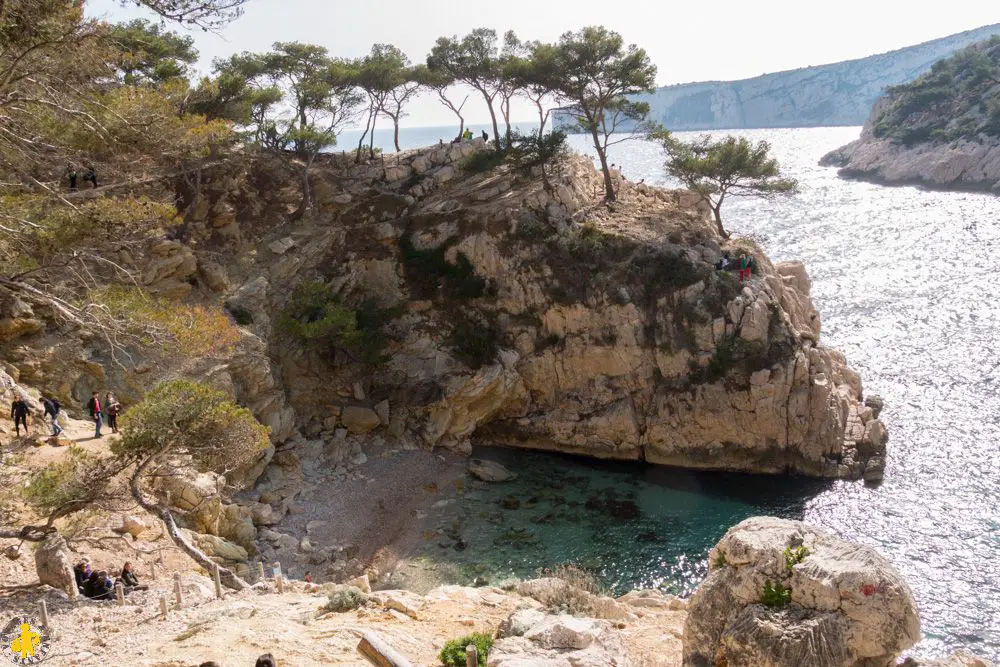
pixel 533 316
pixel 940 131
pixel 780 593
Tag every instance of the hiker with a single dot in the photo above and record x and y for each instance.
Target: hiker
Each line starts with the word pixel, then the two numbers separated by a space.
pixel 71 175
pixel 130 582
pixel 113 408
pixel 746 267
pixel 52 407
pixel 81 572
pixel 91 175
pixel 94 408
pixel 467 136
pixel 486 136
pixel 723 263
pixel 308 578
pixel 99 586
pixel 19 413
pixel 266 660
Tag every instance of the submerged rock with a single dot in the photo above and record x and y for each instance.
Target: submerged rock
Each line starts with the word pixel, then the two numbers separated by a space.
pixel 490 471
pixel 780 593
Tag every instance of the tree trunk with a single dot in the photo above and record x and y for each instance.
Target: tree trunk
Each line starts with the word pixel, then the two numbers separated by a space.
pixel 505 110
pixel 541 121
pixel 307 202
pixel 609 186
pixel 493 117
pixel 227 576
pixel 395 132
pixel 717 210
pixel 361 141
pixel 371 144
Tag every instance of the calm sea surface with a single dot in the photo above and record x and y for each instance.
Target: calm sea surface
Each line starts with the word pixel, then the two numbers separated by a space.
pixel 906 283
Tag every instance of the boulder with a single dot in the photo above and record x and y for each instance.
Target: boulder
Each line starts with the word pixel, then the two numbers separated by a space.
pixel 55 566
pixel 840 604
pixel 557 641
pixel 132 525
pixel 361 583
pixel 359 419
pixel 217 547
pixel 490 471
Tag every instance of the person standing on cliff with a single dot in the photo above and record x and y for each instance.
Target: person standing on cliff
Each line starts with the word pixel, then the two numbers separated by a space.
pixel 94 408
pixel 71 175
pixel 52 407
pixel 19 413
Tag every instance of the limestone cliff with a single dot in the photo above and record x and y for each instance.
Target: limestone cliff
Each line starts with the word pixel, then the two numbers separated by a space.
pixel 492 307
pixel 537 317
pixel 824 95
pixel 940 131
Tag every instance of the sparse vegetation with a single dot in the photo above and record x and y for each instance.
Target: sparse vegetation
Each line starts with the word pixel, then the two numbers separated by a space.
pixel 795 555
pixel 453 653
pixel 315 316
pixel 577 577
pixel 475 340
pixel 345 599
pixel 429 270
pixel 775 594
pixel 732 355
pixel 954 100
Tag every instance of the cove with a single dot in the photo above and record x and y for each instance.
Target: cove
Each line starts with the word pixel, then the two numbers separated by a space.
pixel 634 525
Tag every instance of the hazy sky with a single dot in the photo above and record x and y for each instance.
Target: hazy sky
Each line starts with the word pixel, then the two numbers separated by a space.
pixel 688 41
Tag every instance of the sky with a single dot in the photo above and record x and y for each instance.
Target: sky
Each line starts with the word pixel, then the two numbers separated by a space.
pixel 688 41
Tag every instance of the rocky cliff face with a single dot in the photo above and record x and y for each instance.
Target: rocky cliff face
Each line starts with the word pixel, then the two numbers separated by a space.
pixel 492 307
pixel 835 94
pixel 536 317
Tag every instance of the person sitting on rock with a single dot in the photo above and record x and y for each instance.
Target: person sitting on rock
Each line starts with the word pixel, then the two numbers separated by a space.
pixel 82 572
pixel 130 582
pixel 19 413
pixel 266 660
pixel 99 586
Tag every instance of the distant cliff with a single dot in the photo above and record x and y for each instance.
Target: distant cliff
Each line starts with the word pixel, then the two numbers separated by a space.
pixel 941 130
pixel 836 94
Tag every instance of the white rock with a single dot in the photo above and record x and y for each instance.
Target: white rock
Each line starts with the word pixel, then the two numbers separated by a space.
pixel 490 471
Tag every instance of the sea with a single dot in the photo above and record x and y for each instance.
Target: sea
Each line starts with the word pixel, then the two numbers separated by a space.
pixel 904 279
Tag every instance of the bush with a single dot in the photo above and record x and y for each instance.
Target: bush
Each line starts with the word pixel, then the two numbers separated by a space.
pixel 476 343
pixel 427 270
pixel 795 555
pixel 314 315
pixel 577 577
pixel 453 653
pixel 775 594
pixel 345 599
pixel 484 160
pixel 732 355
pixel 241 315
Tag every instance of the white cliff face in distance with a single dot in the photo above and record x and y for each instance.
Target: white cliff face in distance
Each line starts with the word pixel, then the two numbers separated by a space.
pixel 825 95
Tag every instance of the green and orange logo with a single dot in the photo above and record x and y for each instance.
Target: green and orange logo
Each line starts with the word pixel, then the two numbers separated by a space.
pixel 23 641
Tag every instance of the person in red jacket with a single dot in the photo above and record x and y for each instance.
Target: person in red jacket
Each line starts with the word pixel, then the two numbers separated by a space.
pixel 94 407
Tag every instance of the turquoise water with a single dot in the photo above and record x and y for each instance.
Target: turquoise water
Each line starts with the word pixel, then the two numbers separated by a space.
pixel 634 525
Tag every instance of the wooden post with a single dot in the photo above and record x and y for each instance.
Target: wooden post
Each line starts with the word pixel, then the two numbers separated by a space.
pixel 260 570
pixel 44 612
pixel 379 652
pixel 163 606
pixel 120 593
pixel 178 598
pixel 471 656
pixel 218 581
pixel 152 571
pixel 279 584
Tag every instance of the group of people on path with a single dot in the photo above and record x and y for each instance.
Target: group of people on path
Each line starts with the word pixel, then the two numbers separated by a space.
pixel 97 585
pixel 89 175
pixel 52 411
pixel 745 264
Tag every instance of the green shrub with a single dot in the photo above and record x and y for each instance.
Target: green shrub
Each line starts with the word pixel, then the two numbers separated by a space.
pixel 795 555
pixel 314 315
pixel 775 594
pixel 732 355
pixel 241 315
pixel 453 653
pixel 345 599
pixel 476 343
pixel 427 270
pixel 484 160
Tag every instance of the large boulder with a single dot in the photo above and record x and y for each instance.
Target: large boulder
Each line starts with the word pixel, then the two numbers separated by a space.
pixel 54 565
pixel 534 638
pixel 832 603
